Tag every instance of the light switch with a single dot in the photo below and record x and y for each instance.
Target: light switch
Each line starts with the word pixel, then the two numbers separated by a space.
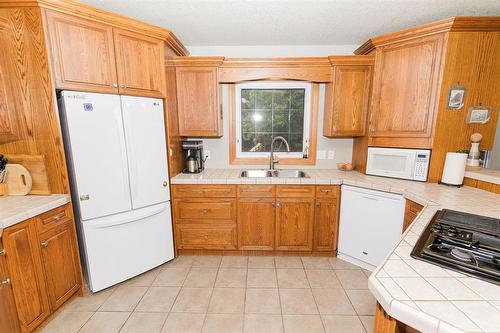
pixel 321 154
pixel 331 154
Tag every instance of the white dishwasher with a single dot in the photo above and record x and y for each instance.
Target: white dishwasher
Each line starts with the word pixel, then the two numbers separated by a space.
pixel 370 225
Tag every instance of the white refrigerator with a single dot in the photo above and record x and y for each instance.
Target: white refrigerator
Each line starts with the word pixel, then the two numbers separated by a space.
pixel 117 161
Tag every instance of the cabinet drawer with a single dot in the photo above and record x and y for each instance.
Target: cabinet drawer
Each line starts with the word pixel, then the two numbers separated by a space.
pixel 204 191
pixel 256 191
pixel 206 237
pixel 204 209
pixel 295 191
pixel 327 192
pixel 53 218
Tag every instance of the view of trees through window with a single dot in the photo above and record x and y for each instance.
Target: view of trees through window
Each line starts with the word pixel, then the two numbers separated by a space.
pixel 266 113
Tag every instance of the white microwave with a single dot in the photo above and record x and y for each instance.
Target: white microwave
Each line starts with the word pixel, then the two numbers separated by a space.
pixel 410 164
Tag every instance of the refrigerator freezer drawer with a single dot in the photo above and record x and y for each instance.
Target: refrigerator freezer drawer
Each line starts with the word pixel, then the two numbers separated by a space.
pixel 122 246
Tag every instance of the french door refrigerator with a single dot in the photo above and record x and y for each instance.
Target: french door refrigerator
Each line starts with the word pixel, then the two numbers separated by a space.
pixel 117 161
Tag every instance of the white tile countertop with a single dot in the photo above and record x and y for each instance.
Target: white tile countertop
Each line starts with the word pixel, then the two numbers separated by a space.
pixel 486 175
pixel 15 209
pixel 428 298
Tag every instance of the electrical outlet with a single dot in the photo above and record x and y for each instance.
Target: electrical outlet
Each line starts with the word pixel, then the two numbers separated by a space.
pixel 321 154
pixel 331 154
pixel 207 154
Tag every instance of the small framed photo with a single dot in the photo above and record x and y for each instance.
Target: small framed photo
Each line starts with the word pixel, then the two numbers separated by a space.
pixel 456 97
pixel 478 115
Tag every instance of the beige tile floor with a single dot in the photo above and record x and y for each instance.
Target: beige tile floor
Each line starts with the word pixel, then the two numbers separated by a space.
pixel 229 294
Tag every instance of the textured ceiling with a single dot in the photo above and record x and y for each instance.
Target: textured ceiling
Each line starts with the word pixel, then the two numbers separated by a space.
pixel 290 22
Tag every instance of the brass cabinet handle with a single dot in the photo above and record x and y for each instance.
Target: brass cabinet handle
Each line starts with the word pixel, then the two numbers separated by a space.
pixel 3 252
pixel 326 191
pixel 273 204
pixel 45 244
pixel 205 237
pixel 165 183
pixel 122 85
pixel 115 85
pixel 278 205
pixel 5 282
pixel 205 211
pixel 57 217
pixel 318 204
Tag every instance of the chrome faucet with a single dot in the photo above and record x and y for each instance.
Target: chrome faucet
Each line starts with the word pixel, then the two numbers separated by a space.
pixel 271 156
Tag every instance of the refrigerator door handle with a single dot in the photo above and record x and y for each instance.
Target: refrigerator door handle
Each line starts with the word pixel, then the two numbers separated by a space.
pixel 131 155
pixel 132 218
pixel 123 152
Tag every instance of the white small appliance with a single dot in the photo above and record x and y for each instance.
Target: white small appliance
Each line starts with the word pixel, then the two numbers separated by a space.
pixel 454 169
pixel 367 235
pixel 401 163
pixel 117 161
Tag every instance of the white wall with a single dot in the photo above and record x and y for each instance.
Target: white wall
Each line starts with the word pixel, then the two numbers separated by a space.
pixel 269 51
pixel 219 148
pixel 495 160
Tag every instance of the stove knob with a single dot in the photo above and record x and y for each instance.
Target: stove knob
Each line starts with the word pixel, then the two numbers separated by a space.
pixel 452 231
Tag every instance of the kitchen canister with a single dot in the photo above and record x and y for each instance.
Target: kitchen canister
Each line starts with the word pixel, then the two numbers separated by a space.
pixel 454 169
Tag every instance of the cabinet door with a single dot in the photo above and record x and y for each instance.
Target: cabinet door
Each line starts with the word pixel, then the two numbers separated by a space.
pixel 139 61
pixel 294 224
pixel 8 313
pixel 198 101
pixel 405 92
pixel 60 262
pixel 83 53
pixel 26 274
pixel 325 226
pixel 256 224
pixel 8 125
pixel 346 101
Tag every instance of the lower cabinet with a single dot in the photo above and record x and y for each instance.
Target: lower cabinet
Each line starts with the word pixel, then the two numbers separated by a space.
pixel 256 220
pixel 8 312
pixel 294 224
pixel 26 274
pixel 256 217
pixel 43 264
pixel 412 209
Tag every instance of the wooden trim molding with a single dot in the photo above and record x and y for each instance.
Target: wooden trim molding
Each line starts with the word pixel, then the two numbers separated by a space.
pixel 194 61
pixel 310 160
pixel 352 60
pixel 457 23
pixel 89 12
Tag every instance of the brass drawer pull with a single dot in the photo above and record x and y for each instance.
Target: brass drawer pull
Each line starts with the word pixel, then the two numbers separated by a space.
pixel 326 191
pixel 5 282
pixel 205 211
pixel 45 244
pixel 205 237
pixel 3 252
pixel 318 204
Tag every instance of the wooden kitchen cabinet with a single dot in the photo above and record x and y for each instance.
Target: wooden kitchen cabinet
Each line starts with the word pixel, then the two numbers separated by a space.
pixel 8 313
pixel 256 223
pixel 83 53
pixel 43 260
pixel 96 57
pixel 294 224
pixel 26 274
pixel 406 92
pixel 326 221
pixel 347 96
pixel 412 209
pixel 61 262
pixel 139 62
pixel 200 114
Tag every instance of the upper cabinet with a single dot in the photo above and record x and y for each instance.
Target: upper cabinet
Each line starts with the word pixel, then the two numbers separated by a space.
pixel 139 63
pixel 83 53
pixel 405 92
pixel 91 56
pixel 347 96
pixel 8 125
pixel 197 87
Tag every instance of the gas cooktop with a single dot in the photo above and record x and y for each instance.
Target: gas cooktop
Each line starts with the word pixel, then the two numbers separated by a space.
pixel 462 242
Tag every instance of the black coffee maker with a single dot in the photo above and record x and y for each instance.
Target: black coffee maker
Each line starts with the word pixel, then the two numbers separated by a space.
pixel 193 151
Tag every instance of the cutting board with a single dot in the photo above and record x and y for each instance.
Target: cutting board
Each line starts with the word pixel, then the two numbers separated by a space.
pixel 19 181
pixel 36 166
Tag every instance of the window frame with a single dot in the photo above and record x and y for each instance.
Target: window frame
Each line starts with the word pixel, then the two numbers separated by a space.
pixel 274 85
pixel 311 105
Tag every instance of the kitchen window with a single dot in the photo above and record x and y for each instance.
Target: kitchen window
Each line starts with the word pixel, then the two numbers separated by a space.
pixel 268 109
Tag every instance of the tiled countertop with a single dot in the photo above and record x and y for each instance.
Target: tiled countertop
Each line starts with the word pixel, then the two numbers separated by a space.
pixel 427 297
pixel 15 209
pixel 486 175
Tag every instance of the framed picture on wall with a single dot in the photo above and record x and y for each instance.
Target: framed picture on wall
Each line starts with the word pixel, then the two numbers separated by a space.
pixel 456 97
pixel 478 115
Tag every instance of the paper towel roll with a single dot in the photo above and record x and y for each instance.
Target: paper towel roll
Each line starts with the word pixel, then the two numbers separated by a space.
pixel 454 169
